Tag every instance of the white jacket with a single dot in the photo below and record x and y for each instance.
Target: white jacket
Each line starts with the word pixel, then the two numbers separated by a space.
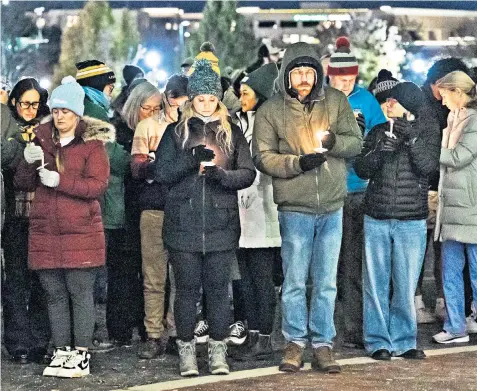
pixel 258 212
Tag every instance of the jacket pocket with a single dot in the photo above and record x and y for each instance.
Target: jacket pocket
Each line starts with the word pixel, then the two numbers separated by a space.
pixel 224 212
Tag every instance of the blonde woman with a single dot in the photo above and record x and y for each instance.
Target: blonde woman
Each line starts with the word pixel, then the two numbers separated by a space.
pixel 201 222
pixel 456 224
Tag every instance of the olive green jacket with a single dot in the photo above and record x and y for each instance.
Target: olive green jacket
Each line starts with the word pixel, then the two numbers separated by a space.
pixel 286 128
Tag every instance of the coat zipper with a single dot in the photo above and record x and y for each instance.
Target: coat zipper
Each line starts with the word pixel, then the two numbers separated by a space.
pixel 203 199
pixel 310 134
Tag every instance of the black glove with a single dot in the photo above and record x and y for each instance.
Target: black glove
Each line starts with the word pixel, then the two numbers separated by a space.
pixel 361 122
pixel 329 141
pixel 202 154
pixel 402 128
pixel 311 160
pixel 389 144
pixel 214 173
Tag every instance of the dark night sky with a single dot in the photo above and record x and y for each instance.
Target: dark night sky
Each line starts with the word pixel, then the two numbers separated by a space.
pixel 197 6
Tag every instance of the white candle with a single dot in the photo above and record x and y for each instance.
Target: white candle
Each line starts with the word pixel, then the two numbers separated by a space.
pixel 320 134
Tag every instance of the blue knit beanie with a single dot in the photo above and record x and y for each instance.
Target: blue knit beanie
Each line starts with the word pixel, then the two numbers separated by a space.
pixel 204 80
pixel 70 95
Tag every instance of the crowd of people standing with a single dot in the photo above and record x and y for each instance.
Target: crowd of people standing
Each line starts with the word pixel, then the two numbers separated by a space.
pixel 286 173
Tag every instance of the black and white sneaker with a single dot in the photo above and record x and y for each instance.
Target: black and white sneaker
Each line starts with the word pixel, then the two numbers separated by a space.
pixel 60 356
pixel 77 365
pixel 237 335
pixel 201 332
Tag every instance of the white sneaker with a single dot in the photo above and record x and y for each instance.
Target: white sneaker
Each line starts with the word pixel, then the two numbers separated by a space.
pixel 470 325
pixel 77 365
pixel 201 332
pixel 440 310
pixel 60 356
pixel 445 337
pixel 423 315
pixel 237 334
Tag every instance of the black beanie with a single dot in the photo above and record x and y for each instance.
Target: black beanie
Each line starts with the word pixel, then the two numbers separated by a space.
pixel 384 83
pixel 443 67
pixel 409 95
pixel 262 80
pixel 131 72
pixel 94 74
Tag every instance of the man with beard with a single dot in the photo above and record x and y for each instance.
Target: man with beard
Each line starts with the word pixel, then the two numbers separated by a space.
pixel 301 139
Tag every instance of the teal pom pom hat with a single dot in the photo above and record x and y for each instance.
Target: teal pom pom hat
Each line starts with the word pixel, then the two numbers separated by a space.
pixel 204 80
pixel 69 95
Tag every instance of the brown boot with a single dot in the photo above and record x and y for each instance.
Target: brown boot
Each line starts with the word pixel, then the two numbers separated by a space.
pixel 323 360
pixel 292 358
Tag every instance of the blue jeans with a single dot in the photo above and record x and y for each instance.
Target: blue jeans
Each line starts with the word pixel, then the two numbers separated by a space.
pixel 310 248
pixel 394 250
pixel 453 261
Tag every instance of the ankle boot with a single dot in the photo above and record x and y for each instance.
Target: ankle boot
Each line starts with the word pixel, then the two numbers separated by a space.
pixel 218 357
pixel 187 358
pixel 261 349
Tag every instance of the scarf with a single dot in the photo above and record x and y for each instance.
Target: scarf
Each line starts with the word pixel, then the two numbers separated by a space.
pixel 97 97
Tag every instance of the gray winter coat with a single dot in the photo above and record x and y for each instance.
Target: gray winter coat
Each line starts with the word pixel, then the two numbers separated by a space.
pixel 457 213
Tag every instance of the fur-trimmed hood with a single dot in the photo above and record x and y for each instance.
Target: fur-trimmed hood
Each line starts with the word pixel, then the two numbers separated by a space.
pixel 98 130
pixel 89 129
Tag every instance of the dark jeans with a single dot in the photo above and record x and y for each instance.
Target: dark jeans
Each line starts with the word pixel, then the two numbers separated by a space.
pixel 61 285
pixel 350 268
pixel 125 305
pixel 256 269
pixel 25 312
pixel 212 272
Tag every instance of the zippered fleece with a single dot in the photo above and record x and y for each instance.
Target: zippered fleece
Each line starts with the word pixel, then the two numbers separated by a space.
pixel 286 128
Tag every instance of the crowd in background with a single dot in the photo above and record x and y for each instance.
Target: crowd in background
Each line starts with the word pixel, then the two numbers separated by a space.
pixel 285 176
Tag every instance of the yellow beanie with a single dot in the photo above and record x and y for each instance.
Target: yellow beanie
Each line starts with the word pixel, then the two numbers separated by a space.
pixel 207 51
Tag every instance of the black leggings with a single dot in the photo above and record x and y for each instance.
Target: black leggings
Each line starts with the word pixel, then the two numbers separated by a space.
pixel 212 272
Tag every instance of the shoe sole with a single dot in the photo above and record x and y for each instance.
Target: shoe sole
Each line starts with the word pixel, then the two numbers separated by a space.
pixel 221 371
pixel 454 340
pixel 202 340
pixel 235 341
pixel 52 373
pixel 331 369
pixel 72 375
pixel 290 367
pixel 192 372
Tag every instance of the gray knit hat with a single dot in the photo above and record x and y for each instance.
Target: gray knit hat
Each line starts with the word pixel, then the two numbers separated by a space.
pixel 204 80
pixel 262 80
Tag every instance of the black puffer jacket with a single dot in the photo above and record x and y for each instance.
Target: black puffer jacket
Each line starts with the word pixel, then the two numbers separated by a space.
pixel 201 215
pixel 399 181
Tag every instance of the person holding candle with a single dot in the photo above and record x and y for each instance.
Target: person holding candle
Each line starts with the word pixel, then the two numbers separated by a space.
pixel 66 243
pixel 201 219
pixel 342 72
pixel 397 165
pixel 456 223
pixel 26 332
pixel 309 196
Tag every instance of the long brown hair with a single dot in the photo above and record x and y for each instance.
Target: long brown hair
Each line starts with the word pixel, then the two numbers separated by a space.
pixel 224 132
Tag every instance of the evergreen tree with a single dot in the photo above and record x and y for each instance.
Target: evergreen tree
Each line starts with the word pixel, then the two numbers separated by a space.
pixel 231 33
pixel 98 35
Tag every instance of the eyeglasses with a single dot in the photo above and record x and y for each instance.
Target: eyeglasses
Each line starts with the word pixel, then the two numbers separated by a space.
pixel 149 109
pixel 303 71
pixel 27 105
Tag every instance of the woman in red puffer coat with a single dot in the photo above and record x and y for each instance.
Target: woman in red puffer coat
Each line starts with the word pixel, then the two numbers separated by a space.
pixel 68 167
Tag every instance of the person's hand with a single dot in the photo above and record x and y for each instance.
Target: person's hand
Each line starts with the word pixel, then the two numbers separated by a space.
pixel 328 141
pixel 402 128
pixel 389 144
pixel 214 173
pixel 32 153
pixel 49 178
pixel 361 122
pixel 311 160
pixel 203 154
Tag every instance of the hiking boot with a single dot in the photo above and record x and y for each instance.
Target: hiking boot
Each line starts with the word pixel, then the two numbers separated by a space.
pixel 57 360
pixel 201 332
pixel 150 349
pixel 446 337
pixel 259 349
pixel 77 365
pixel 218 357
pixel 187 358
pixel 324 361
pixel 237 335
pixel 292 358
